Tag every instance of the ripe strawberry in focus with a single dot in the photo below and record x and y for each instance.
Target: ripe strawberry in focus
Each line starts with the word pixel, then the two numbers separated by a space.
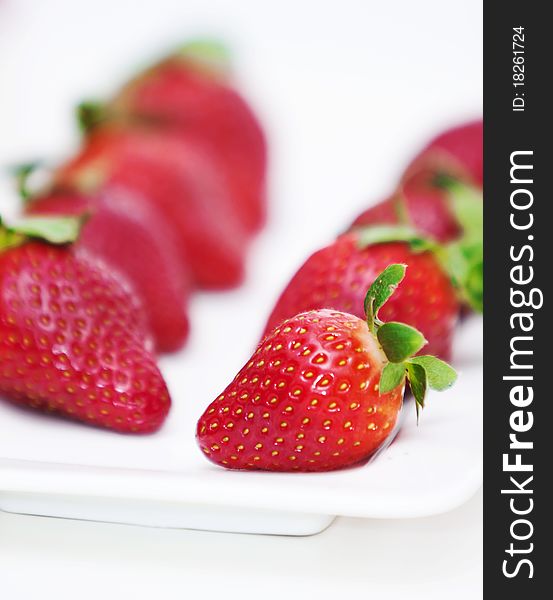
pixel 190 93
pixel 174 178
pixel 337 277
pixel 73 339
pixel 457 152
pixel 133 238
pixel 322 391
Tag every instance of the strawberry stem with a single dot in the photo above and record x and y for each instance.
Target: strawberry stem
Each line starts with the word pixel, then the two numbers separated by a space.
pixel 379 292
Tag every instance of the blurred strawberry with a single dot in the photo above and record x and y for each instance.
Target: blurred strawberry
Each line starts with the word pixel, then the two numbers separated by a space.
pixel 190 92
pixel 176 178
pixel 133 238
pixel 419 202
pixel 73 339
pixel 457 152
pixel 337 277
pixel 448 214
pixel 385 212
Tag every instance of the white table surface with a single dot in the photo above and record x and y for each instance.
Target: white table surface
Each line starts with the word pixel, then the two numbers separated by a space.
pixel 424 559
pixel 348 90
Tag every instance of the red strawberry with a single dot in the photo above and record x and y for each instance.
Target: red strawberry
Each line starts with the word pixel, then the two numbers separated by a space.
pixel 337 276
pixel 385 212
pixel 321 392
pixel 73 340
pixel 418 202
pixel 457 152
pixel 180 181
pixel 190 92
pixel 133 238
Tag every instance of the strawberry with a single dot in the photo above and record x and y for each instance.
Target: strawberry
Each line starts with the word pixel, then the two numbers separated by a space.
pixel 190 92
pixel 73 339
pixel 446 215
pixel 336 276
pixel 322 391
pixel 133 239
pixel 174 178
pixel 419 202
pixel 457 152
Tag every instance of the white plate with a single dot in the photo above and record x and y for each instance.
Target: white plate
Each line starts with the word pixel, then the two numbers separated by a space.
pixel 54 467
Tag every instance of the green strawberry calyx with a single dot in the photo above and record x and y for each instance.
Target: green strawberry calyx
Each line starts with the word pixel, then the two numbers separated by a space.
pixel 464 258
pixel 91 113
pixel 210 56
pixel 381 234
pixel 400 343
pixel 54 230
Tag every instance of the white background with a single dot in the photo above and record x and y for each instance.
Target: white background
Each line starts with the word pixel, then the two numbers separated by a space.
pixel 421 559
pixel 348 91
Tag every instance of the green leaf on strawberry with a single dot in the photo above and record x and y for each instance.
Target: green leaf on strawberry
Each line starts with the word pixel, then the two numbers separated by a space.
pixel 440 375
pixel 211 56
pixel 380 234
pixel 381 289
pixel 393 375
pixel 55 230
pixel 466 202
pixel 418 381
pixel 401 343
pixel 90 113
pixel 464 258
